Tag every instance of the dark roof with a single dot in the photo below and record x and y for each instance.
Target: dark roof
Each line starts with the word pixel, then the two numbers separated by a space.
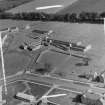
pixel 40 31
pixel 4 29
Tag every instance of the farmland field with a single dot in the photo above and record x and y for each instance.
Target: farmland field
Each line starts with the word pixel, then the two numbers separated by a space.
pixel 85 5
pixel 8 4
pixel 38 3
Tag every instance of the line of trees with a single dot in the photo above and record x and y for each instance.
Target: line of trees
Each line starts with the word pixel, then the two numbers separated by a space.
pixel 83 17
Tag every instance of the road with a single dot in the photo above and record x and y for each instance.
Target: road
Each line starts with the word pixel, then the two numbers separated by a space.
pixel 63 84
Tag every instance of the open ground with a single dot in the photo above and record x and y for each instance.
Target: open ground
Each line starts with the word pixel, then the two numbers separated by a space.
pixel 64 66
pixel 36 89
pixel 8 4
pixel 31 7
pixel 86 33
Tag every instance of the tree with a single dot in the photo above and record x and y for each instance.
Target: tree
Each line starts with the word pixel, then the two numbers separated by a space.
pixel 61 74
pixel 88 15
pixel 83 16
pixel 44 68
pixel 77 98
pixel 102 15
pixel 73 17
pixel 66 17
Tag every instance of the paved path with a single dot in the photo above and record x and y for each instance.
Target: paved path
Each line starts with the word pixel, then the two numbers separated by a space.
pixel 61 83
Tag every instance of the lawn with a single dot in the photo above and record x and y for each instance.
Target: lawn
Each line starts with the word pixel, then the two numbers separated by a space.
pixel 38 90
pixel 12 89
pixel 27 87
pixel 16 60
pixel 62 99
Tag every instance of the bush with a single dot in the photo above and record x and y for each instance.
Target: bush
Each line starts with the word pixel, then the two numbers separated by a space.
pixel 45 69
pixel 60 74
pixel 83 17
pixel 78 98
pixel 90 101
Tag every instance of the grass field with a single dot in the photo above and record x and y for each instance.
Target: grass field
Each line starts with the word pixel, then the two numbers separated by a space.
pixel 85 5
pixel 38 90
pixel 8 4
pixel 38 3
pixel 16 60
pixel 62 100
pixel 86 33
pixel 13 88
pixel 68 99
pixel 27 87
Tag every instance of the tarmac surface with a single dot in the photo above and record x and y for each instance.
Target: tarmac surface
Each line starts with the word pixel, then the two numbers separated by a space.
pixel 71 85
